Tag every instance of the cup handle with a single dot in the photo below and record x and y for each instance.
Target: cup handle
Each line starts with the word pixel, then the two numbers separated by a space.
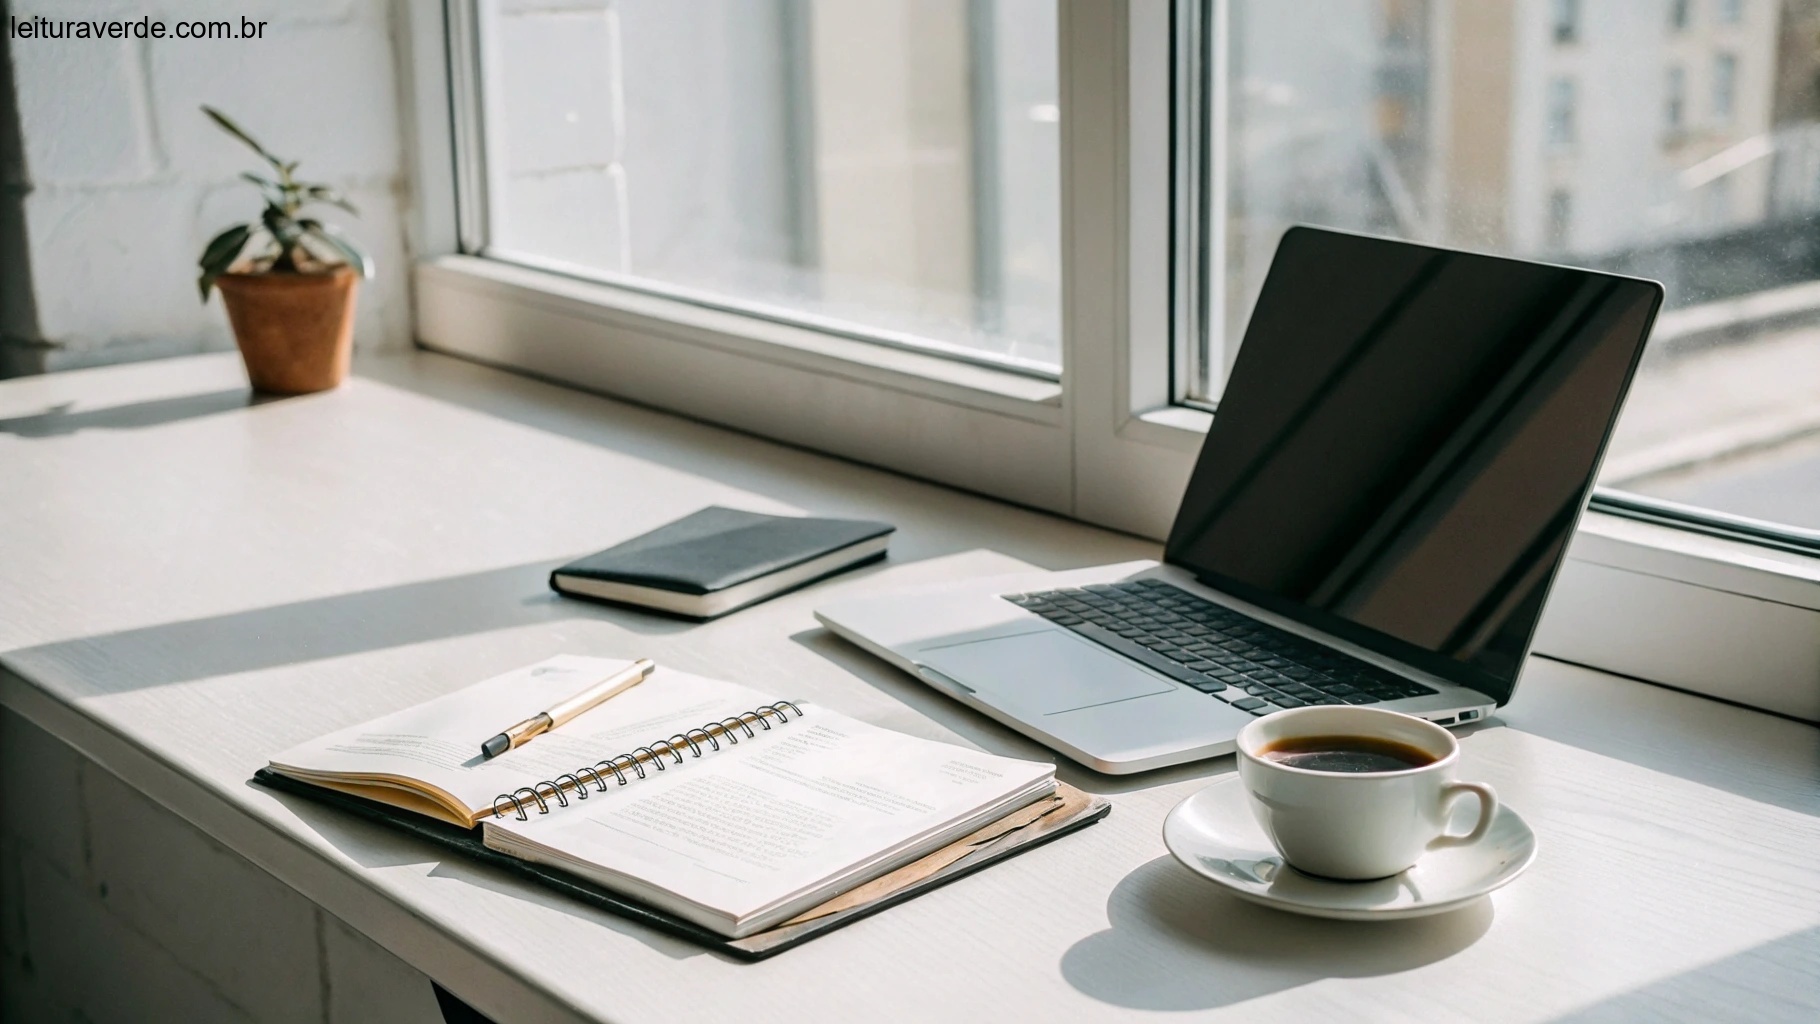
pixel 1488 812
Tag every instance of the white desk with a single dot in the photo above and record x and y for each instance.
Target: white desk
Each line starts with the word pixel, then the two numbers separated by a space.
pixel 189 583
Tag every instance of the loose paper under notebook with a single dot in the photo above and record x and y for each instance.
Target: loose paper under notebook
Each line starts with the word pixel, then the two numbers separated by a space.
pixel 746 833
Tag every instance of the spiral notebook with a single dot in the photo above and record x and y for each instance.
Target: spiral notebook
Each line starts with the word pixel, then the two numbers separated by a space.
pixel 735 811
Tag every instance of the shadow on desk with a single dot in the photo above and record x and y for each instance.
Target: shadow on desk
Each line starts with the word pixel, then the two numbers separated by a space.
pixel 1719 990
pixel 1177 944
pixel 328 627
pixel 58 421
pixel 829 484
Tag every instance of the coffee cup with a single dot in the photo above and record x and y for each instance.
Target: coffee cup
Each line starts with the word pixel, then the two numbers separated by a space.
pixel 1355 793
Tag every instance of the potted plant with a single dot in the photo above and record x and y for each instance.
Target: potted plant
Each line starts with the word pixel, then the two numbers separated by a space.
pixel 288 280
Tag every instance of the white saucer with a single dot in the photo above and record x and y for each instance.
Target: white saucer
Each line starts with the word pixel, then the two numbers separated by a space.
pixel 1214 834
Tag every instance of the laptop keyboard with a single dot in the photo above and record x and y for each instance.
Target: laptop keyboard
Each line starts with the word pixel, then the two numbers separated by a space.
pixel 1250 665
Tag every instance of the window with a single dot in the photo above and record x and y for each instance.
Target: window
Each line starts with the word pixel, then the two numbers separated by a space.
pixel 1677 99
pixel 1566 18
pixel 1677 14
pixel 1725 85
pixel 884 169
pixel 769 180
pixel 1561 112
pixel 1560 219
pixel 1731 12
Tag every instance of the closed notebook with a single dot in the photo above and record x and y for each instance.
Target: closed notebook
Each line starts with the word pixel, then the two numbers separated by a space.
pixel 719 559
pixel 728 808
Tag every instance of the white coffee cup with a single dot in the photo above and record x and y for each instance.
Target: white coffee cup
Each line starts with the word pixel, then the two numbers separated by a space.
pixel 1357 825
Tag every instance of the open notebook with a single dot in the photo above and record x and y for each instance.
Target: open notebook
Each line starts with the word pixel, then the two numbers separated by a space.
pixel 718 804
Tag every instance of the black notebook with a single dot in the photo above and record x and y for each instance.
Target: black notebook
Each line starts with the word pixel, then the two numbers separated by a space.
pixel 719 560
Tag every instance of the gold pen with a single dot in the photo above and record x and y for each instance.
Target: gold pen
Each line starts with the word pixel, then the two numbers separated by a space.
pixel 537 724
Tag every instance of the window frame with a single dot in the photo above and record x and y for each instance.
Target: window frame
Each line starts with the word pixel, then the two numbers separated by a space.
pixel 1113 441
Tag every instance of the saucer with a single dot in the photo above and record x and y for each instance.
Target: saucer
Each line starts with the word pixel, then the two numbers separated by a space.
pixel 1214 834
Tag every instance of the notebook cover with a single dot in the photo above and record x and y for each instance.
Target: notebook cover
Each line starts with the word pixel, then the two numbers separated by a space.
pixel 1075 811
pixel 717 548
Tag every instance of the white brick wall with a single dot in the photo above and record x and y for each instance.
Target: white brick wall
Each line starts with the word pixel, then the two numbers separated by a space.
pixel 113 909
pixel 127 180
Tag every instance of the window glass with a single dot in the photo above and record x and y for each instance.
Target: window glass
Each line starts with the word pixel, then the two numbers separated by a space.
pixel 1677 98
pixel 887 168
pixel 1560 219
pixel 1566 20
pixel 1561 111
pixel 1725 85
pixel 1505 141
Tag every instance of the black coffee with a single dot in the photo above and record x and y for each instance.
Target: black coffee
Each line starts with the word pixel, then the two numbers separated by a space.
pixel 1347 754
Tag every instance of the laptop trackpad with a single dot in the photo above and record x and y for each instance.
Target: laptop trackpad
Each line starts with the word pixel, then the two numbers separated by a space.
pixel 1046 672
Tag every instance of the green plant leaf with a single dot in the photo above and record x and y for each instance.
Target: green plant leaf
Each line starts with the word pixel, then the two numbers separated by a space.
pixel 226 124
pixel 220 254
pixel 227 244
pixel 327 194
pixel 282 225
pixel 265 184
pixel 270 190
pixel 285 231
pixel 343 246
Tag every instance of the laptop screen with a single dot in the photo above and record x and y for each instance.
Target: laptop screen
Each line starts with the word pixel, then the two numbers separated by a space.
pixel 1406 442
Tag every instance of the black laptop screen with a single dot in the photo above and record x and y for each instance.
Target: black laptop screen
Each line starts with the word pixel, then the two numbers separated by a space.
pixel 1406 442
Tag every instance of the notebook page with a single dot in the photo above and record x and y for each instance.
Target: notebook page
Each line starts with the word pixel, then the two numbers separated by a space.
pixel 438 742
pixel 786 813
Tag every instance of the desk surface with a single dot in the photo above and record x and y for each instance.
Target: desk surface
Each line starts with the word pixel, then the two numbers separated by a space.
pixel 194 581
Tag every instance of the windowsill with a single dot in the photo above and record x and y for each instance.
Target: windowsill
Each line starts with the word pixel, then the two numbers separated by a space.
pixel 1181 427
pixel 684 323
pixel 979 428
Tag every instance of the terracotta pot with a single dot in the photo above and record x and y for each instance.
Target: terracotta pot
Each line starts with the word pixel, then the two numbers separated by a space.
pixel 295 330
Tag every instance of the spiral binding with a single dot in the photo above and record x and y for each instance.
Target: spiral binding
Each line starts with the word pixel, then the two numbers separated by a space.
pixel 557 789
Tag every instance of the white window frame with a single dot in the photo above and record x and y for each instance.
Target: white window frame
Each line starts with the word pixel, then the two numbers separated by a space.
pixel 1110 443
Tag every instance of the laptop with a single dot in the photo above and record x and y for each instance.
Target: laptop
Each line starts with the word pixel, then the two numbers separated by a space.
pixel 1405 444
